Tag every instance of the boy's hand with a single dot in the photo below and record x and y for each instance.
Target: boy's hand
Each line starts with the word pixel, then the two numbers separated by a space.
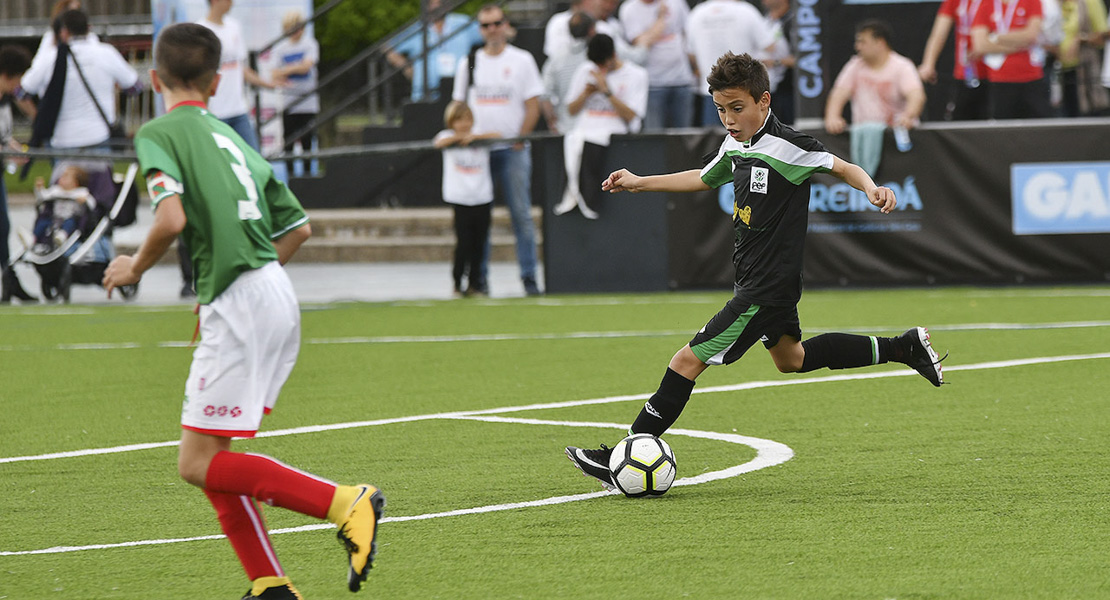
pixel 119 272
pixel 621 181
pixel 883 197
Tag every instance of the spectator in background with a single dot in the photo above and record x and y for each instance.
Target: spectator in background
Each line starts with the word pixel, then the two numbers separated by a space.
pixel 607 95
pixel 230 102
pixel 1080 52
pixel 296 57
pixel 1005 34
pixel 48 39
pixel 555 40
pixel 14 62
pixel 78 122
pixel 504 92
pixel 971 101
pixel 468 188
pixel 559 69
pixel 715 27
pixel 882 85
pixel 670 101
pixel 779 59
pixel 458 34
pixel 885 91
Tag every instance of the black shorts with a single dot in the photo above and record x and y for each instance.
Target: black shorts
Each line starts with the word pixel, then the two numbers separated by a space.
pixel 729 334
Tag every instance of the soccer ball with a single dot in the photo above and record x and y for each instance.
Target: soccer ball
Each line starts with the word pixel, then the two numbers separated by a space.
pixel 642 465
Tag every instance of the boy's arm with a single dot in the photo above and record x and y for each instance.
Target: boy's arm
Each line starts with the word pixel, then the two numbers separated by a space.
pixel 834 110
pixel 626 181
pixel 288 244
pixel 855 176
pixel 169 221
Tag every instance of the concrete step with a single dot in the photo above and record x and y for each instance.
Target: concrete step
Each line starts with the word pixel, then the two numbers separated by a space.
pixel 391 235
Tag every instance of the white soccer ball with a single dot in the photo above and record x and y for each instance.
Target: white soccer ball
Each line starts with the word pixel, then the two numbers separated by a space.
pixel 642 465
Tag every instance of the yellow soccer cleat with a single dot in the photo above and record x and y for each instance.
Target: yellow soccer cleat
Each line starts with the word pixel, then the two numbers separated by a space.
pixel 358 531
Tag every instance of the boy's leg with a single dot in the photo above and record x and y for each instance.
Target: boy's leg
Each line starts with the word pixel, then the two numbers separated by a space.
pixel 723 340
pixel 848 351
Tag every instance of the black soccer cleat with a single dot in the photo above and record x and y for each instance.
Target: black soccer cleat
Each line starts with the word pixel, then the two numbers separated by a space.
pixel 593 463
pixel 921 356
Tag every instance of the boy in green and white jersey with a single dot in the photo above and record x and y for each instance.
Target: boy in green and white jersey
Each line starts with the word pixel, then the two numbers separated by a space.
pixel 241 225
pixel 769 165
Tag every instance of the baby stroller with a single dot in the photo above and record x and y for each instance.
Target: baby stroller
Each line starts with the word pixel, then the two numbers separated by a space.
pixel 81 256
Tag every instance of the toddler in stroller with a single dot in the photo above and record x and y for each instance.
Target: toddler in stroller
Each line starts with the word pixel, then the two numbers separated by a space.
pixel 72 236
pixel 61 209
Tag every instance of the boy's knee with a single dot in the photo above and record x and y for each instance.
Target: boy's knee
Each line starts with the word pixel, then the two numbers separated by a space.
pixel 789 365
pixel 192 470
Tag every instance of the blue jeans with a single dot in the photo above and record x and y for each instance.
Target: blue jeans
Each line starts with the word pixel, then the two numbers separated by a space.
pixel 512 174
pixel 245 128
pixel 669 107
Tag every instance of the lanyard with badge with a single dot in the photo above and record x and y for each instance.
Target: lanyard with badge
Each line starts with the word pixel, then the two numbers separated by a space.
pixel 971 78
pixel 996 60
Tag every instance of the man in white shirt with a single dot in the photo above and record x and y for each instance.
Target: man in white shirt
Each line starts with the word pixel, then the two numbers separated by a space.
pixel 670 101
pixel 229 104
pixel 505 98
pixel 558 72
pixel 79 123
pixel 714 28
pixel 607 95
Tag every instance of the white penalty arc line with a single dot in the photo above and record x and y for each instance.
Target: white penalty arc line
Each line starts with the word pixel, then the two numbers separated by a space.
pixel 768 453
pixel 1021 362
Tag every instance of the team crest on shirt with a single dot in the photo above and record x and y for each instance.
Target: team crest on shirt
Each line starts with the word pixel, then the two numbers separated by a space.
pixel 758 180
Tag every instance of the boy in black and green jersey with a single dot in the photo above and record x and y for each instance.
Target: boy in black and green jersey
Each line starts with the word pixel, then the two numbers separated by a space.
pixel 241 225
pixel 769 165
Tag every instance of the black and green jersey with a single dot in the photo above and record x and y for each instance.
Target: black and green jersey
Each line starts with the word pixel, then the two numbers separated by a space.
pixel 233 204
pixel 770 174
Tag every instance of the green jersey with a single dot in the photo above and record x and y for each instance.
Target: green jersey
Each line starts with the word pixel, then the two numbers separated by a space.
pixel 233 204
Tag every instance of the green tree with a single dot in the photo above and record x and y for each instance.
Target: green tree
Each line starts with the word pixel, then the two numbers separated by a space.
pixel 355 25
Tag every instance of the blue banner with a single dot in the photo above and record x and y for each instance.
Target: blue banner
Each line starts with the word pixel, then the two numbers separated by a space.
pixel 1060 198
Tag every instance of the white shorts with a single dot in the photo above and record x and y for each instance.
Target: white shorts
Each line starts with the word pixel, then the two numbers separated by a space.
pixel 250 336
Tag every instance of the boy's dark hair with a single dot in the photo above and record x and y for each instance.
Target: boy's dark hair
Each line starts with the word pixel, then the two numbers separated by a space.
pixel 14 60
pixel 580 25
pixel 600 48
pixel 187 55
pixel 76 22
pixel 739 71
pixel 877 28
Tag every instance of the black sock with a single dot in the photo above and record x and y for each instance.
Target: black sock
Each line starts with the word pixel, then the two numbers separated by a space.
pixel 845 351
pixel 662 410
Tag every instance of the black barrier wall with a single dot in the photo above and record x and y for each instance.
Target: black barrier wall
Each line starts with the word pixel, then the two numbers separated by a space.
pixel 955 223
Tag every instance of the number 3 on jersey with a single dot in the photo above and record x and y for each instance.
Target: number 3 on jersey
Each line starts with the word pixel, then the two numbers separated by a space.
pixel 248 209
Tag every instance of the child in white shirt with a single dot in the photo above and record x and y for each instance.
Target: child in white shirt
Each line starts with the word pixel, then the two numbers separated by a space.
pixel 468 187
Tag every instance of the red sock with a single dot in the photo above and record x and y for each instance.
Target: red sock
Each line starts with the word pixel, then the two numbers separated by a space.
pixel 245 528
pixel 269 481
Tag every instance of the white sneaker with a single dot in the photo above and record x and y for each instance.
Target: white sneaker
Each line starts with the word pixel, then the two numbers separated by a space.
pixel 566 205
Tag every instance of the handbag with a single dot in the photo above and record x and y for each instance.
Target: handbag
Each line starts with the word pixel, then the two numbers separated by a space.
pixel 115 130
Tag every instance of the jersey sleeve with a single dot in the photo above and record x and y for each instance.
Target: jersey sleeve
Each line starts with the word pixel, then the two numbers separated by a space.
pixel 155 156
pixel 718 167
pixel 286 212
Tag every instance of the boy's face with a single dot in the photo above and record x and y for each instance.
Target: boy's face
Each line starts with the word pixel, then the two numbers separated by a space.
pixel 741 114
pixel 869 47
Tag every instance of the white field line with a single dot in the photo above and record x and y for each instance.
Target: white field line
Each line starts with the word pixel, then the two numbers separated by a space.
pixel 572 335
pixel 768 453
pixel 750 385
